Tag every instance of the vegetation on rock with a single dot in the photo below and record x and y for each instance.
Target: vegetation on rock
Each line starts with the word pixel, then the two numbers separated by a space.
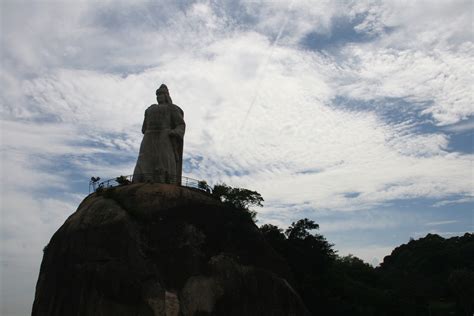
pixel 145 249
pixel 239 198
pixel 122 180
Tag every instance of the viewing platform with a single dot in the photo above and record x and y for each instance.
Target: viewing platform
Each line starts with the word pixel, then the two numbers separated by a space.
pixel 157 177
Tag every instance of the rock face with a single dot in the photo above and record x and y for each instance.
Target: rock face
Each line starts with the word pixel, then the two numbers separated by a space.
pixel 157 249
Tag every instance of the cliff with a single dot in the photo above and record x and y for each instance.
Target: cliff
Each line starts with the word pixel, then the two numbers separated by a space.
pixel 157 249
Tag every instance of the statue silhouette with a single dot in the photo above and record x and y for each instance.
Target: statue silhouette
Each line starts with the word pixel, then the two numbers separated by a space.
pixel 161 151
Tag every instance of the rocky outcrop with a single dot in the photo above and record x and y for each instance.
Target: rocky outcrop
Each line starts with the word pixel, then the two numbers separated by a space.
pixel 157 249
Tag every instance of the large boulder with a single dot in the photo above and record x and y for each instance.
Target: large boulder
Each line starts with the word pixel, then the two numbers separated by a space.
pixel 157 249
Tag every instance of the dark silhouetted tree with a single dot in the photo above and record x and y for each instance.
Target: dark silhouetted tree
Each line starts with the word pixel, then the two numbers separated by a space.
pixel 300 229
pixel 122 180
pixel 203 186
pixel 461 283
pixel 238 198
pixel 428 276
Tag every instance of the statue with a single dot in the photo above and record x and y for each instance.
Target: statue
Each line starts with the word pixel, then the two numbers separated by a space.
pixel 161 151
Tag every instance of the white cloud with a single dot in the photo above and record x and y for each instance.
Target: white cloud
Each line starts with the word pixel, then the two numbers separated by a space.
pixel 27 223
pixel 291 127
pixel 423 57
pixel 298 17
pixel 360 223
pixel 438 82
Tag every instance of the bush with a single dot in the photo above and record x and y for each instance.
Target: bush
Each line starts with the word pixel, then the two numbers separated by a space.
pixel 238 198
pixel 122 180
pixel 202 185
pixel 100 189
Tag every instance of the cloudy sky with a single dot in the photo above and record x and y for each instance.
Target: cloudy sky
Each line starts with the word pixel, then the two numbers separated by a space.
pixel 356 114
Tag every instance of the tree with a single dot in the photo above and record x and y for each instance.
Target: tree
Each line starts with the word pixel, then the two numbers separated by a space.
pixel 461 283
pixel 299 236
pixel 299 230
pixel 238 198
pixel 309 257
pixel 272 232
pixel 428 276
pixel 203 185
pixel 356 269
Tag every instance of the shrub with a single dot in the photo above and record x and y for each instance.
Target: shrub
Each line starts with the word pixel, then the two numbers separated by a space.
pixel 122 180
pixel 203 185
pixel 238 198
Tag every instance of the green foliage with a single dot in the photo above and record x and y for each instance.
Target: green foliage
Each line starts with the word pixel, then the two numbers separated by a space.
pixel 357 269
pixel 272 232
pixel 428 276
pixel 461 283
pixel 238 198
pixel 300 229
pixel 419 273
pixel 203 185
pixel 100 189
pixel 309 256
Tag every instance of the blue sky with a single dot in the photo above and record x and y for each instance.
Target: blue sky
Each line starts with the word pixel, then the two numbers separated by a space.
pixel 356 114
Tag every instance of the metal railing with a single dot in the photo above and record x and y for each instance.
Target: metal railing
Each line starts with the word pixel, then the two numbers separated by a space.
pixel 157 177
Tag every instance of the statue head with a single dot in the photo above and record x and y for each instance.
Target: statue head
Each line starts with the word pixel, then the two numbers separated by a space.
pixel 163 95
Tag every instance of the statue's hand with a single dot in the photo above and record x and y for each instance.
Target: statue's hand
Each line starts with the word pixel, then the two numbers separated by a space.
pixel 173 133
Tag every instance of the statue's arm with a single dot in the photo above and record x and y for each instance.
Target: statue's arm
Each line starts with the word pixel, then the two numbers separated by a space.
pixel 144 125
pixel 179 126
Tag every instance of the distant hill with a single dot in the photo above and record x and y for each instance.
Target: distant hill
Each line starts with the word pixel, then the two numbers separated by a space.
pixel 432 271
pixel 429 276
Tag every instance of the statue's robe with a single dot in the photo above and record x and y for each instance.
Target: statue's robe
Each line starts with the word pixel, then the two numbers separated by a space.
pixel 161 154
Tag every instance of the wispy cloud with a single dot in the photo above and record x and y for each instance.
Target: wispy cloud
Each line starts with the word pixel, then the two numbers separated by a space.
pixel 460 127
pixel 441 223
pixel 468 199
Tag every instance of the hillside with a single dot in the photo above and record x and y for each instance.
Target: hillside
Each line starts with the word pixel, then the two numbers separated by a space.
pixel 157 249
